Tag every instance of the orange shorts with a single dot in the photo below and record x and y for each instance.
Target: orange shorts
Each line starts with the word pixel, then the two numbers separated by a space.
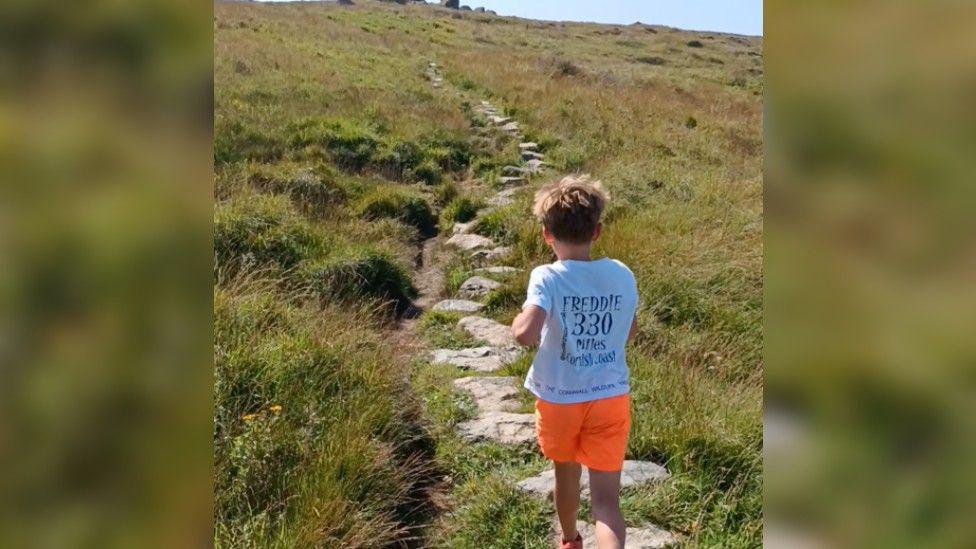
pixel 591 433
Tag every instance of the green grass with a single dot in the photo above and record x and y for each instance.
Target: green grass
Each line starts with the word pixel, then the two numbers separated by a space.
pixel 334 156
pixel 312 430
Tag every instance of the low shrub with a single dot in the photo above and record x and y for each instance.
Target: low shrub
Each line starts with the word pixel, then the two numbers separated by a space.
pixel 359 271
pixel 460 210
pixel 695 44
pixel 349 144
pixel 317 188
pixel 311 429
pixel 236 141
pixel 263 230
pixel 411 208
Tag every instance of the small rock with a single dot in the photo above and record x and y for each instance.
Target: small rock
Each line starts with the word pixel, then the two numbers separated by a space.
pixel 497 270
pixel 646 537
pixel 501 427
pixel 515 170
pixel 507 181
pixel 468 242
pixel 531 155
pixel 511 127
pixel 454 4
pixel 462 228
pixel 488 330
pixel 492 254
pixel 481 359
pixel 503 198
pixel 480 9
pixel 491 394
pixel 477 287
pixel 499 120
pixel 634 473
pixel 535 165
pixel 528 146
pixel 458 306
pixel 432 65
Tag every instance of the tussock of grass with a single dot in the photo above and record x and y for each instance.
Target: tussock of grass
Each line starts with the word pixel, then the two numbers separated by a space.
pixel 312 432
pixel 395 203
pixel 460 210
pixel 263 230
pixel 358 272
pixel 314 188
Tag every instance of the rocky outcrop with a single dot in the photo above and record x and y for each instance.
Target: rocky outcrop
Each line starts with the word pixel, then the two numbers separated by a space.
pixel 453 4
pixel 468 242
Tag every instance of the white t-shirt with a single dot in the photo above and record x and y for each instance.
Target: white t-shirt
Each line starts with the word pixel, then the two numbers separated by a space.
pixel 589 306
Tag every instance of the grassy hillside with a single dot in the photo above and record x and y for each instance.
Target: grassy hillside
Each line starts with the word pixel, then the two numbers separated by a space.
pixel 334 157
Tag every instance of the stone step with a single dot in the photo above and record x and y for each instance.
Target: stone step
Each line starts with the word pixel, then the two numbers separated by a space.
pixel 462 228
pixel 499 120
pixel 634 473
pixel 515 170
pixel 477 287
pixel 531 155
pixel 480 359
pixel 508 181
pixel 468 242
pixel 497 270
pixel 491 394
pixel 458 306
pixel 643 537
pixel 511 127
pixel 535 165
pixel 503 198
pixel 528 146
pixel 486 329
pixel 492 254
pixel 500 427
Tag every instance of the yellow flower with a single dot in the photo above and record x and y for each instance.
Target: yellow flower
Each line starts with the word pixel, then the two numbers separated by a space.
pixel 249 417
pixel 276 408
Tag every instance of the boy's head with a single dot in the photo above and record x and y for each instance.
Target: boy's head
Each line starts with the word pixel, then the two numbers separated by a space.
pixel 570 209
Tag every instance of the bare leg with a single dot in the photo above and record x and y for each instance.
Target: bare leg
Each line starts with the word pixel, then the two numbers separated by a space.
pixel 567 496
pixel 611 530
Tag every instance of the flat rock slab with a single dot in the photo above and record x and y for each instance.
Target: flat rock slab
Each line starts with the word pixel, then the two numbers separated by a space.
pixel 535 165
pixel 503 198
pixel 462 228
pixel 509 181
pixel 477 287
pixel 496 334
pixel 480 359
pixel 468 242
pixel 500 427
pixel 528 146
pixel 492 254
pixel 515 170
pixel 458 306
pixel 646 537
pixel 531 155
pixel 499 120
pixel 635 473
pixel 491 394
pixel 511 127
pixel 497 270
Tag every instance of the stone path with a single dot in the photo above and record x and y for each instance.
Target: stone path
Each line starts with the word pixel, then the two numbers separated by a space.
pixel 496 397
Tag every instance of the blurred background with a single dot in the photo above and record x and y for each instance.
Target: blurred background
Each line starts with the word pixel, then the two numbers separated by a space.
pixel 105 266
pixel 870 274
pixel 106 269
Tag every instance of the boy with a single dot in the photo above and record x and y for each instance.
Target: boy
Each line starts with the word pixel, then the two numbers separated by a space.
pixel 580 312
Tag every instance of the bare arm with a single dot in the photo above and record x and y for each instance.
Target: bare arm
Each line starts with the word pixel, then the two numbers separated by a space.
pixel 527 326
pixel 633 329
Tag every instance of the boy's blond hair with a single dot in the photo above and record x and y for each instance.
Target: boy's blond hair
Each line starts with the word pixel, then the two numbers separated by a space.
pixel 571 208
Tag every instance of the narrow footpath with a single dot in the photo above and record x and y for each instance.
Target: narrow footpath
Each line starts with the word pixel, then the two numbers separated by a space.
pixel 498 397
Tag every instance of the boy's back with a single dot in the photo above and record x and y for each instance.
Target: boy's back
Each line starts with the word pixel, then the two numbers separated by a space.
pixel 589 309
